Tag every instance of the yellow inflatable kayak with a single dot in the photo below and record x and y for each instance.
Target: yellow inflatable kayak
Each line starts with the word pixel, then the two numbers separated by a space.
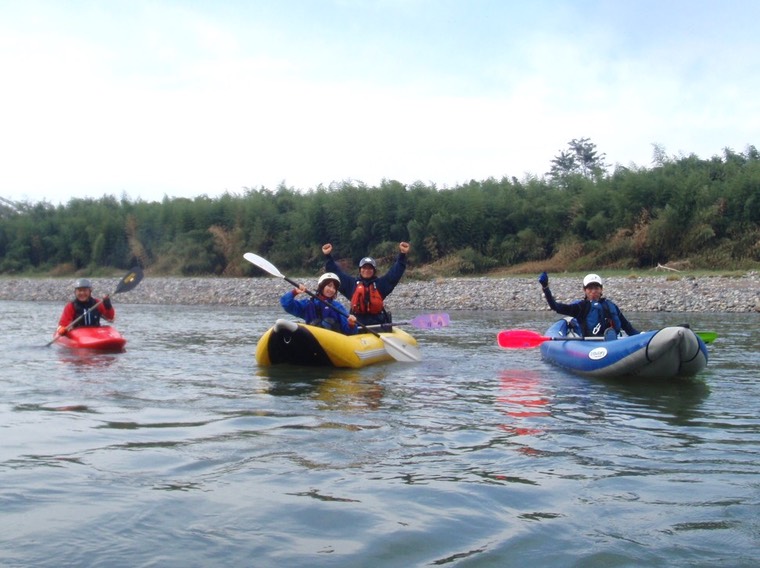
pixel 299 344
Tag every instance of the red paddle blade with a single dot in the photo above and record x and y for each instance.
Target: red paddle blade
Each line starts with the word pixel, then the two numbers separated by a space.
pixel 520 339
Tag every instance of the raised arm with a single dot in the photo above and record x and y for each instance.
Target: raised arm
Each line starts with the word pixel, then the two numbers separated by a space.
pixel 347 282
pixel 388 281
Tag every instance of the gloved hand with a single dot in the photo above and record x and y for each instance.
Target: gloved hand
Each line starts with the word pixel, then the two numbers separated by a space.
pixel 107 303
pixel 543 279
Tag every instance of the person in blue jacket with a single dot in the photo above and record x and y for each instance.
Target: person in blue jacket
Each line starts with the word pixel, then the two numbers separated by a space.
pixel 368 291
pixel 594 313
pixel 323 310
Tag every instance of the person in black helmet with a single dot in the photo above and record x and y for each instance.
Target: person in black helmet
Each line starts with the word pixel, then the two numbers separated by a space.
pixel 83 301
pixel 368 291
pixel 596 315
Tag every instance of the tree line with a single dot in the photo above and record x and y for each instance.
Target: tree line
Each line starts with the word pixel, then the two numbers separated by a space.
pixel 580 215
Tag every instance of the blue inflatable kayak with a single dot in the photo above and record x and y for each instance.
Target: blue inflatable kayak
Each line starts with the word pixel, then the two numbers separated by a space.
pixel 663 353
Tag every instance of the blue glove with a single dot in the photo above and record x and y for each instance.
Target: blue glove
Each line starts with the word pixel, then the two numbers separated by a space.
pixel 544 279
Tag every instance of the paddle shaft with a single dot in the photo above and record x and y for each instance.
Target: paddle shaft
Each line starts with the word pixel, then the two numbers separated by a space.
pixel 526 339
pixel 424 321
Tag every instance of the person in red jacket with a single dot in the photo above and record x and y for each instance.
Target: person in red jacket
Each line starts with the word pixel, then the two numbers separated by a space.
pixel 80 312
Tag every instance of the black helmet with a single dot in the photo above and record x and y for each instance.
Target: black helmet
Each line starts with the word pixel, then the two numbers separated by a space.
pixel 367 260
pixel 83 283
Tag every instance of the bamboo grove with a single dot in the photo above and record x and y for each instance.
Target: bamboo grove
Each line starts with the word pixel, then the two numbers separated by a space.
pixel 705 212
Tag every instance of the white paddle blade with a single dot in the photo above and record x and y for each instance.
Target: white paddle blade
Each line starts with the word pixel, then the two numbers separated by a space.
pixel 263 263
pixel 401 351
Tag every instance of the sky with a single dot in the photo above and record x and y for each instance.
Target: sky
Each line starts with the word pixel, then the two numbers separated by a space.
pixel 147 99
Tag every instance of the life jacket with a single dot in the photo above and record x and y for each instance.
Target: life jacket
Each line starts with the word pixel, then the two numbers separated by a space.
pixel 92 318
pixel 598 317
pixel 318 314
pixel 366 299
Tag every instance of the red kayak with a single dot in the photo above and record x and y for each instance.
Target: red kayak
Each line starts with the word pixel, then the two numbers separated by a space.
pixel 103 338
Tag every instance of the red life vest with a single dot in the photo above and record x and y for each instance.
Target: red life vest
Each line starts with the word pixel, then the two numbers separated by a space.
pixel 366 299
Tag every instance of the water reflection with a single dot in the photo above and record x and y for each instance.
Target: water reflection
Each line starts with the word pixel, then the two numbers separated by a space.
pixel 47 408
pixel 334 389
pixel 87 359
pixel 677 401
pixel 350 391
pixel 522 397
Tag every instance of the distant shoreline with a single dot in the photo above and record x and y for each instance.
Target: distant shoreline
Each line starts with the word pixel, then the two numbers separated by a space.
pixel 632 294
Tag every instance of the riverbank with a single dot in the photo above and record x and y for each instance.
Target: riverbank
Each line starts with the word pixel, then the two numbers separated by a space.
pixel 632 294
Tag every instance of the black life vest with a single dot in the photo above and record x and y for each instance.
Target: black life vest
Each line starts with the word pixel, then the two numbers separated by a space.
pixel 597 317
pixel 92 318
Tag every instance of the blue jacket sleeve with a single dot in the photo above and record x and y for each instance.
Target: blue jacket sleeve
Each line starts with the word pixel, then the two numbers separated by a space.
pixel 388 281
pixel 625 325
pixel 347 282
pixel 572 310
pixel 292 306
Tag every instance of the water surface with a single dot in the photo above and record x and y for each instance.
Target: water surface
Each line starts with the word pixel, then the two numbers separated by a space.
pixel 182 452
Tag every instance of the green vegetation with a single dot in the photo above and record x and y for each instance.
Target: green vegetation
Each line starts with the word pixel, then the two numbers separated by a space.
pixel 687 212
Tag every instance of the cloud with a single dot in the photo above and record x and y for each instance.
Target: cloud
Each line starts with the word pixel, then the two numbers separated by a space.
pixel 177 99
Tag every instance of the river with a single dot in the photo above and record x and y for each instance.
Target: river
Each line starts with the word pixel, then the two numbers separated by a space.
pixel 183 452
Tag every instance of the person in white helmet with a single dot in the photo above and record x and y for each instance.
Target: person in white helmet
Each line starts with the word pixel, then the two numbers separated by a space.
pixel 368 291
pixel 323 310
pixel 594 313
pixel 81 307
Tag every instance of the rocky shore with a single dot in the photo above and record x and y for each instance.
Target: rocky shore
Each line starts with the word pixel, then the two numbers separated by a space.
pixel 633 294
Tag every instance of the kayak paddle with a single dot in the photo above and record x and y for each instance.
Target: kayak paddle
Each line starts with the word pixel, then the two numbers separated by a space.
pixel 424 321
pixel 396 349
pixel 526 339
pixel 127 283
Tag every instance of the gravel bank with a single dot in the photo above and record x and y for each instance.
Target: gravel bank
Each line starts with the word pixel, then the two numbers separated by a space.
pixel 639 294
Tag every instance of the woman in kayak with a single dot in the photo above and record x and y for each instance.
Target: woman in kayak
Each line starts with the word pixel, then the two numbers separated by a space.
pixel 368 291
pixel 323 310
pixel 596 315
pixel 82 311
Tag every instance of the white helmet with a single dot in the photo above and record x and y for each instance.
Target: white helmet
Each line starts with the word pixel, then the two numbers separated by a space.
pixel 592 279
pixel 327 277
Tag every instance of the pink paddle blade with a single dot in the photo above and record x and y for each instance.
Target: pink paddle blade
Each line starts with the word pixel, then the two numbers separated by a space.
pixel 429 321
